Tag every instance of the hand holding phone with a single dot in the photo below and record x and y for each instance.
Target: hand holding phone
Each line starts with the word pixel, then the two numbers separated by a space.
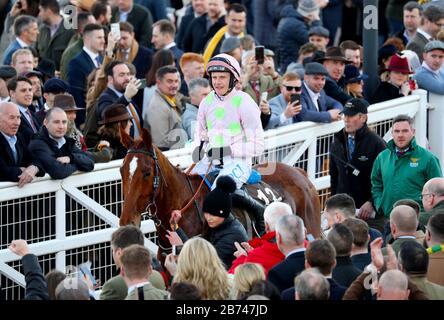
pixel 176 250
pixel 142 84
pixel 85 270
pixel 260 54
pixel 295 97
pixel 115 29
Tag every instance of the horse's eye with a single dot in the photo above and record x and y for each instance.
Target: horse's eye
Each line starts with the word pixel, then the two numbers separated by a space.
pixel 146 174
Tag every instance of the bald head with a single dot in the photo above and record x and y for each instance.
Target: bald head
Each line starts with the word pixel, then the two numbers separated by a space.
pixel 435 185
pixel 9 118
pixel 393 285
pixel 273 212
pixel 403 221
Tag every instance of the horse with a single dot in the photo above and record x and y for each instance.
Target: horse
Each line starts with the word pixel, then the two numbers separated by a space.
pixel 151 183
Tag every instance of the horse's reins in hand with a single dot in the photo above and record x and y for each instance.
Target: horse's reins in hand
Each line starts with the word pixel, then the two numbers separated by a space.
pixel 185 208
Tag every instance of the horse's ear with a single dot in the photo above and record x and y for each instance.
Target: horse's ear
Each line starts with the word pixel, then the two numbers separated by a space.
pixel 147 139
pixel 125 138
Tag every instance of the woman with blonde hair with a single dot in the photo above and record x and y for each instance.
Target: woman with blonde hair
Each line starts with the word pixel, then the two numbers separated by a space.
pixel 245 276
pixel 199 264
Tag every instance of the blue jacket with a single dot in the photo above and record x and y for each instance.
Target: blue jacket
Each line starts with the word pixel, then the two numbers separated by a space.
pixel 46 151
pixel 282 275
pixel 430 81
pixel 156 7
pixel 292 33
pixel 277 106
pixel 309 111
pixel 78 70
pixel 7 56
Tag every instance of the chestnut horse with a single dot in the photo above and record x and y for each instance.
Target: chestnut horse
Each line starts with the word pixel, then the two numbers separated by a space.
pixel 151 183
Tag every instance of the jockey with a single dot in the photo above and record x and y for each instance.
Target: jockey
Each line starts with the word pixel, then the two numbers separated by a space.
pixel 229 129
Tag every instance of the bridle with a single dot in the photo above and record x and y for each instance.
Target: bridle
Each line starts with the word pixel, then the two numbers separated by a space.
pixel 156 184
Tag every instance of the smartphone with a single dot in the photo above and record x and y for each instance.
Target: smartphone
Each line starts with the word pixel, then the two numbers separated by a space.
pixel 264 96
pixel 310 237
pixel 85 269
pixel 142 84
pixel 176 250
pixel 115 29
pixel 295 97
pixel 259 54
pixel 412 84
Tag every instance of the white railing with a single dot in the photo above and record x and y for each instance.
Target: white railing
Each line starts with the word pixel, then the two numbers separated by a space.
pixel 73 219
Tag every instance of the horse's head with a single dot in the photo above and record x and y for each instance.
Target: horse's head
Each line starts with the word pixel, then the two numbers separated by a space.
pixel 140 177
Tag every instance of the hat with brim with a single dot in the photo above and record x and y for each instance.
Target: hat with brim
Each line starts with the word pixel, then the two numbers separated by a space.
pixel 114 113
pixel 335 54
pixel 399 64
pixel 314 68
pixel 66 102
pixel 434 45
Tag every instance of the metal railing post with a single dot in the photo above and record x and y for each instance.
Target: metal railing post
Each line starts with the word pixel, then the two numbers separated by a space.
pixel 61 227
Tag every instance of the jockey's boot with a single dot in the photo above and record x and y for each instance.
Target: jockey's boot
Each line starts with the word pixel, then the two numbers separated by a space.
pixel 242 199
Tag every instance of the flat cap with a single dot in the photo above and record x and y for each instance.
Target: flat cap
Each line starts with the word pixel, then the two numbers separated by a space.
pixel 55 85
pixel 7 72
pixel 229 45
pixel 319 31
pixel 434 45
pixel 315 68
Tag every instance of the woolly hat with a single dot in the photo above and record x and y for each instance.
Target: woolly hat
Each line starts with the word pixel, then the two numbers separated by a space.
pixel 218 201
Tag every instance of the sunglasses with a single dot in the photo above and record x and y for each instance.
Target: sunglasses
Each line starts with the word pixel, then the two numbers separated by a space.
pixel 291 88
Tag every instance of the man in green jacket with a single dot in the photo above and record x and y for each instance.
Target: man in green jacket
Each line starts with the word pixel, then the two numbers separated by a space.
pixel 432 199
pixel 400 171
pixel 54 33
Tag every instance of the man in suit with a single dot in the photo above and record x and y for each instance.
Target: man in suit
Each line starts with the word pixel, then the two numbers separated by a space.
pixel 57 152
pixel 290 235
pixel 431 23
pixel 129 50
pixel 75 45
pixel 320 254
pixel 121 88
pixel 116 288
pixel 53 35
pixel 198 8
pixel 403 225
pixel 138 16
pixel 20 91
pixel 316 105
pixel 282 108
pixel 163 38
pixel 341 238
pixel 334 62
pixel 434 238
pixel 83 63
pixel 16 163
pixel 236 20
pixel 136 269
pixel 203 28
pixel 412 13
pixel 26 31
pixel 163 115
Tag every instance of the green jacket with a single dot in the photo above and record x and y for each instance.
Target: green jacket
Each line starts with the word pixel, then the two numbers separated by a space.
pixel 149 293
pixel 432 290
pixel 52 47
pixel 396 178
pixel 116 289
pixel 71 51
pixel 266 84
pixel 425 216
